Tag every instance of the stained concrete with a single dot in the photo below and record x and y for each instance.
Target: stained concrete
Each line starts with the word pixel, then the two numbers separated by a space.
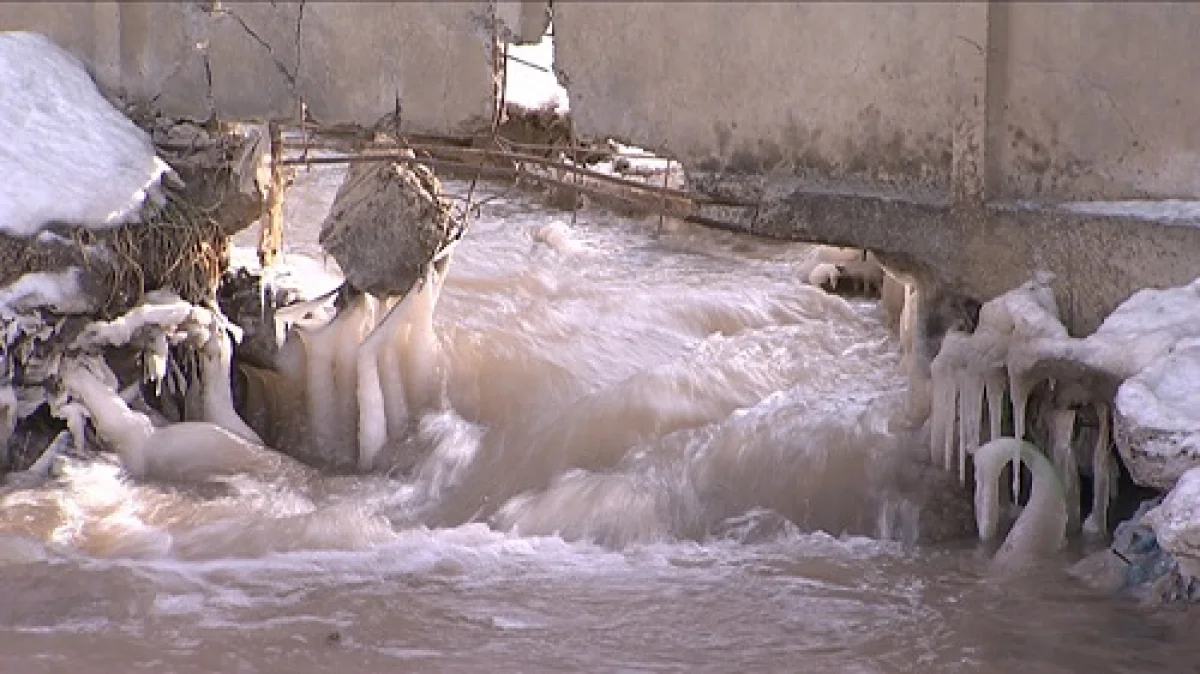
pixel 1095 100
pixel 833 92
pixel 347 62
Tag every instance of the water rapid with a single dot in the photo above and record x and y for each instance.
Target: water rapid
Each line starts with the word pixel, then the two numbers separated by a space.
pixel 659 451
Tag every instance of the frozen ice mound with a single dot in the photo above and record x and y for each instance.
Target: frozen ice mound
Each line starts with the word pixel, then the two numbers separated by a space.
pixel 68 155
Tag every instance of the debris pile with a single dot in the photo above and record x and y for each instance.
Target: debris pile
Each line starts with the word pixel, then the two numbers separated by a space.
pixel 99 219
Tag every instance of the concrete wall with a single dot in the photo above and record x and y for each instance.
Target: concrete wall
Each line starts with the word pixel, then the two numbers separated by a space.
pixel 1053 100
pixel 1095 100
pixel 348 62
pixel 844 92
pixel 980 101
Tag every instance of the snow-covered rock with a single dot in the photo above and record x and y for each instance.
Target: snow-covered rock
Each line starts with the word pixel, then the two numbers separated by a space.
pixel 1176 523
pixel 60 292
pixel 68 156
pixel 1157 418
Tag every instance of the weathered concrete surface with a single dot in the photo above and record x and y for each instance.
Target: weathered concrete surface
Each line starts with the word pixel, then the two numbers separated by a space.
pixel 845 92
pixel 891 126
pixel 523 21
pixel 1093 101
pixel 805 110
pixel 347 62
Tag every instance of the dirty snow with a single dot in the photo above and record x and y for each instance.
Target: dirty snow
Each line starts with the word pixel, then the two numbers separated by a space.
pixel 534 86
pixel 58 291
pixel 1166 210
pixel 68 155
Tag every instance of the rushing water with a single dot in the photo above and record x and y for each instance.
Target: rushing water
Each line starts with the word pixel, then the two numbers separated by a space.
pixel 664 453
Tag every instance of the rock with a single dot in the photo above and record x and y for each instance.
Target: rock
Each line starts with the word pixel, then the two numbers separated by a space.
pixel 1156 418
pixel 1176 523
pixel 386 223
pixel 250 303
pixel 224 171
pixel 1137 565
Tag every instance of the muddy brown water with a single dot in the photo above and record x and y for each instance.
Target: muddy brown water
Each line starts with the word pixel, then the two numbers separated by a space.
pixel 663 453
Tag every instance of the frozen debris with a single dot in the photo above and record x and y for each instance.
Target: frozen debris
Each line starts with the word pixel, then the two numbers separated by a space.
pixel 1140 366
pixel 225 171
pixel 1158 417
pixel 1041 529
pixel 1176 523
pixel 68 155
pixel 387 223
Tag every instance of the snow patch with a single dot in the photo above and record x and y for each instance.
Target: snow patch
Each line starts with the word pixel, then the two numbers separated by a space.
pixel 68 155
pixel 60 292
pixel 531 82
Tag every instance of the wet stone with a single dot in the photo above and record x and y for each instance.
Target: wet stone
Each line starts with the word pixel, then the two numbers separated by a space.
pixel 387 222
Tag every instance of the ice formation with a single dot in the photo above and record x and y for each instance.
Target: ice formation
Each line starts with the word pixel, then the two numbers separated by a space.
pixel 68 155
pixel 188 450
pixel 1041 528
pixel 350 388
pixel 1136 373
pixel 973 369
pixel 1159 414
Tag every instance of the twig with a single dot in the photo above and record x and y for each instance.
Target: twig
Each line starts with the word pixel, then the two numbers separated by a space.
pixel 530 64
pixel 518 157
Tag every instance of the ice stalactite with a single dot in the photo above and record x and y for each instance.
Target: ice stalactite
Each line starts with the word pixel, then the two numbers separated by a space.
pixel 399 367
pixel 943 422
pixel 970 411
pixel 330 352
pixel 216 362
pixel 1104 474
pixel 1062 432
pixel 996 387
pixel 1041 528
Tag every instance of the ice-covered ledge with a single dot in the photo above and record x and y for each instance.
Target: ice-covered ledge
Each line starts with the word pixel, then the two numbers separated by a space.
pixel 1157 418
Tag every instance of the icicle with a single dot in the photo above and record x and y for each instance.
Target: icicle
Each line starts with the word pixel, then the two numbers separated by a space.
pixel 421 357
pixel 1062 431
pixel 942 419
pixel 154 361
pixel 376 362
pixel 1041 528
pixel 332 355
pixel 216 363
pixel 76 416
pixel 1104 471
pixel 1020 389
pixel 970 411
pixel 996 384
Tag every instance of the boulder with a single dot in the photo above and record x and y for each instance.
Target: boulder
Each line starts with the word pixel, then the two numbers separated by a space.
pixel 387 222
pixel 1176 523
pixel 1156 417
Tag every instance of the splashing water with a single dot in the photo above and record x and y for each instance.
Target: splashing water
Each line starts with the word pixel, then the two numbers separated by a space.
pixel 654 453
